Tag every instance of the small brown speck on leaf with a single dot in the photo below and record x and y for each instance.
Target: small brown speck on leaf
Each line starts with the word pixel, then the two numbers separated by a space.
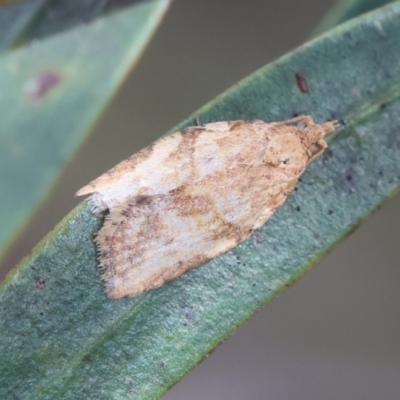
pixel 38 87
pixel 40 282
pixel 301 82
pixel 259 237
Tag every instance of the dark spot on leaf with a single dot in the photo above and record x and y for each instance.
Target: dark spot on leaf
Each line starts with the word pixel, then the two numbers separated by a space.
pixel 298 208
pixel 258 237
pixel 328 153
pixel 330 212
pixel 38 87
pixel 349 178
pixel 86 358
pixel 301 82
pixel 40 282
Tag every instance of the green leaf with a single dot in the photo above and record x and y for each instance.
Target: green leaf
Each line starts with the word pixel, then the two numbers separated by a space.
pixel 347 9
pixel 15 19
pixel 61 63
pixel 63 338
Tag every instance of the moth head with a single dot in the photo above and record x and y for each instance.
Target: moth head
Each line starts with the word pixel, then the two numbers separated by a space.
pixel 312 136
pixel 285 153
pixel 295 145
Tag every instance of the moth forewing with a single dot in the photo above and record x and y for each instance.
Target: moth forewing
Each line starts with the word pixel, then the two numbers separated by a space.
pixel 196 194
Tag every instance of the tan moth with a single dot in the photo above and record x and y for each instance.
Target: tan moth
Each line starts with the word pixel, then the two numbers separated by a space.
pixel 196 194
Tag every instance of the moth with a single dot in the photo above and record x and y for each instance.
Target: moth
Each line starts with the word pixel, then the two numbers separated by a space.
pixel 194 195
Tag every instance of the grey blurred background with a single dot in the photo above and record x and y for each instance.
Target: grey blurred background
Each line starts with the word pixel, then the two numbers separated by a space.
pixel 333 335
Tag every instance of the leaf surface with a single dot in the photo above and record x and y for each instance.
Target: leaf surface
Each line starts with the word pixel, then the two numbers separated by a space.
pixel 60 64
pixel 63 338
pixel 344 10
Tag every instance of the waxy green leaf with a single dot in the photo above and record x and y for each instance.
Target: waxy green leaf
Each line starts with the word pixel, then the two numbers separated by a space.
pixel 63 338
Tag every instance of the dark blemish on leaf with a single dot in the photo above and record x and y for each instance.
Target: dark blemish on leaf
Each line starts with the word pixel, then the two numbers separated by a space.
pixel 189 315
pixel 380 173
pixel 328 153
pixel 346 183
pixel 258 237
pixel 330 212
pixel 301 82
pixel 40 282
pixel 86 358
pixel 38 87
pixel 298 208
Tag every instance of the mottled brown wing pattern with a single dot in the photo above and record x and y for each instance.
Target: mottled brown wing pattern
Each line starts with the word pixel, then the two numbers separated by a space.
pixel 158 241
pixel 151 240
pixel 194 195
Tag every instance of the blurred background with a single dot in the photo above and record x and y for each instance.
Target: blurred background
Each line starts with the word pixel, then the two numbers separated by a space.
pixel 333 335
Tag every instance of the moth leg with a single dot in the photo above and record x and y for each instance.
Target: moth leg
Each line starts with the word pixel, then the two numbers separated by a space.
pixel 303 120
pixel 321 146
